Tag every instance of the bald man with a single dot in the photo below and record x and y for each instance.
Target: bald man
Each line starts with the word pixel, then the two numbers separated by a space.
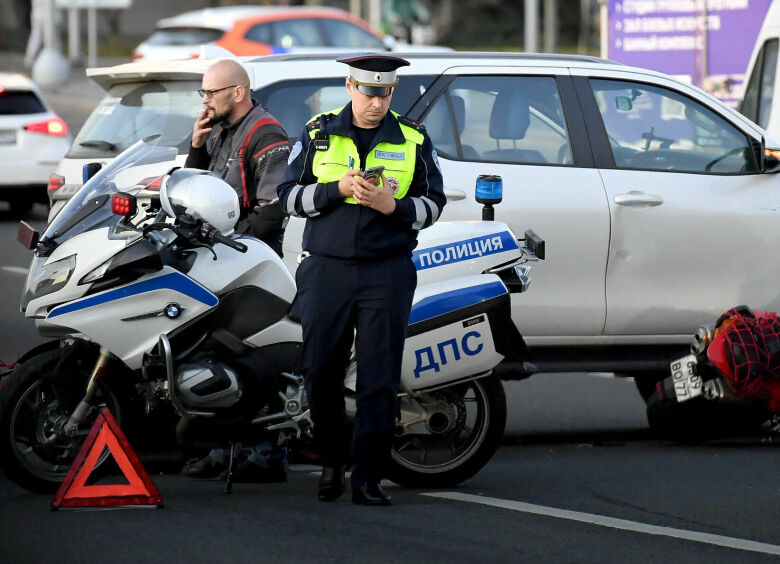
pixel 235 137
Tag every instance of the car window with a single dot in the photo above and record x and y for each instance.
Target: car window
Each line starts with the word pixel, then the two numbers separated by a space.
pixel 262 33
pixel 516 119
pixel 655 128
pixel 130 112
pixel 298 32
pixel 344 34
pixel 184 36
pixel 20 102
pixel 293 102
pixel 757 101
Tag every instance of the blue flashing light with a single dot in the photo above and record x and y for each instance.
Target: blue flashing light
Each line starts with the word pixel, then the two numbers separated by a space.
pixel 490 189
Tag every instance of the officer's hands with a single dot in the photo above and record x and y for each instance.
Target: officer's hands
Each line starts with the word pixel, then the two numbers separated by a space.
pixel 201 129
pixel 346 183
pixel 368 193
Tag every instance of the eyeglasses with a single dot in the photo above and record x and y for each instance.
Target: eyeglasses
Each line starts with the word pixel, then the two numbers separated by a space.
pixel 210 93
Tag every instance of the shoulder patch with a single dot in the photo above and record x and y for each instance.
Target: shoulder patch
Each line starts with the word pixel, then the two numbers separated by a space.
pixel 296 150
pixel 406 121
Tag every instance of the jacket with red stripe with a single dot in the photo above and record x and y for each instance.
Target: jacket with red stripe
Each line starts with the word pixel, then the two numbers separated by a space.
pixel 250 155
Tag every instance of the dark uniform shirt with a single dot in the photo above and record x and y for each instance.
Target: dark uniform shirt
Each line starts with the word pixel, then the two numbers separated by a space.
pixel 335 228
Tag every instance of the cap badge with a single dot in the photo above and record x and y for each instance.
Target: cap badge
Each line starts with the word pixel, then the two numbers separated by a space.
pixel 378 77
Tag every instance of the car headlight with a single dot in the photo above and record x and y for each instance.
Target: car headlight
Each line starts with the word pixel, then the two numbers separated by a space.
pixel 45 279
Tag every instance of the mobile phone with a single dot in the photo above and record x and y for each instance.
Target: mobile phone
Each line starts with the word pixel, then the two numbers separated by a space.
pixel 373 172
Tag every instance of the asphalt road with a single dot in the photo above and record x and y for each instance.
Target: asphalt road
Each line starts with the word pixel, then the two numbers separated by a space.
pixel 579 478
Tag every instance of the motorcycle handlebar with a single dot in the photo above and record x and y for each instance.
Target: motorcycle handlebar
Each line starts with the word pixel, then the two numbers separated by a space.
pixel 220 238
pixel 210 234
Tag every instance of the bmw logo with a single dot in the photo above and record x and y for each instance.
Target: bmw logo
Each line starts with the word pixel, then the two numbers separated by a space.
pixel 173 310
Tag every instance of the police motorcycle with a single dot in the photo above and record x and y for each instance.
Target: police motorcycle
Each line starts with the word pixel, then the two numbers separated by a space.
pixel 169 309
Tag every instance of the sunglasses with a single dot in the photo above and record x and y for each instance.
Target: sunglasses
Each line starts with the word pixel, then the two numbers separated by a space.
pixel 210 93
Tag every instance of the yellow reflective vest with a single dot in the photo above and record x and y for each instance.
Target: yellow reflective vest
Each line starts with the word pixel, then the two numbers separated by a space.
pixel 398 160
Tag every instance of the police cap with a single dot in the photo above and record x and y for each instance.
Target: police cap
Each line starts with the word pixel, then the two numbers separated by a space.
pixel 373 74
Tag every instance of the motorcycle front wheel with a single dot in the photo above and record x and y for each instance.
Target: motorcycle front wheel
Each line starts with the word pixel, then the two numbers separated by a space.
pixel 35 452
pixel 446 436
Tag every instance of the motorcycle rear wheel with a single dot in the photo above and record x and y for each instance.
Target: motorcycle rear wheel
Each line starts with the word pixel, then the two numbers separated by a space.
pixel 445 459
pixel 34 453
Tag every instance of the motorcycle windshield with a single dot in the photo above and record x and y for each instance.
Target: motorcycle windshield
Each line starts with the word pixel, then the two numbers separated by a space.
pixel 90 207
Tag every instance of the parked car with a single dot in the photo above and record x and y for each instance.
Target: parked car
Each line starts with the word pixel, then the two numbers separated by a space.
pixel 33 139
pixel 655 198
pixel 264 30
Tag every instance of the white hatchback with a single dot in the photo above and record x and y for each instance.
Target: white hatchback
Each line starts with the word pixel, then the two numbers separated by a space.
pixel 655 199
pixel 33 139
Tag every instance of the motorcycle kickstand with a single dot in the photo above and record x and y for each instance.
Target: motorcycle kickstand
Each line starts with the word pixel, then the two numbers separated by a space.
pixel 235 448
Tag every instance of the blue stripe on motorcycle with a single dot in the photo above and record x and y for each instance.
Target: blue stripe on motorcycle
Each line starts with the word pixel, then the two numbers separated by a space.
pixel 440 304
pixel 468 249
pixel 172 281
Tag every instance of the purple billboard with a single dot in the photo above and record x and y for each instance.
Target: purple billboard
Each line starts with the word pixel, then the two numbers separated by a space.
pixel 707 43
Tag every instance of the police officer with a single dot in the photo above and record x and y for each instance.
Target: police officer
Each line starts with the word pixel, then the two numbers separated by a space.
pixel 358 279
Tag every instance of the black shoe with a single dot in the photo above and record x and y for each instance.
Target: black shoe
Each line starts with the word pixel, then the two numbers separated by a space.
pixel 205 468
pixel 332 483
pixel 249 472
pixel 370 493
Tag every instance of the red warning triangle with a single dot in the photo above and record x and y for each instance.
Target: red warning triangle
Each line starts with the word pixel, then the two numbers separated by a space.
pixel 138 491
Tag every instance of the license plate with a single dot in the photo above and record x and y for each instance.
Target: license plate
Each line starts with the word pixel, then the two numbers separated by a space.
pixel 7 137
pixel 687 384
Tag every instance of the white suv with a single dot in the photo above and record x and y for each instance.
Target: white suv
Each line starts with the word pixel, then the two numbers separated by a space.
pixel 654 197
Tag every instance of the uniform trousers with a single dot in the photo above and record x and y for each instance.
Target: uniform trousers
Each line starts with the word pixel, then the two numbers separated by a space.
pixel 338 300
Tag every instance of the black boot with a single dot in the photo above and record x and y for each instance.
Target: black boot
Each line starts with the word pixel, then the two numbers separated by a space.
pixel 332 483
pixel 370 493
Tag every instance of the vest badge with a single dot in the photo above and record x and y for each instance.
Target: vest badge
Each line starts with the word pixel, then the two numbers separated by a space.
pixel 390 155
pixel 393 184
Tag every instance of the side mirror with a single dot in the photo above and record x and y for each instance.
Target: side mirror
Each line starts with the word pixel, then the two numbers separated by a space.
pixel 770 159
pixel 89 170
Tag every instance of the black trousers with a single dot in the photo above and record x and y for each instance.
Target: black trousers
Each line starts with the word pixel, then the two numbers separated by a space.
pixel 370 301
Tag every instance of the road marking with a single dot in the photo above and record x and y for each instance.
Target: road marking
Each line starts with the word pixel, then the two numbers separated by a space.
pixel 592 519
pixel 15 269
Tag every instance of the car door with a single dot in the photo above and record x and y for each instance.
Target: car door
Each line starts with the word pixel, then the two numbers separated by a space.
pixel 523 123
pixel 694 223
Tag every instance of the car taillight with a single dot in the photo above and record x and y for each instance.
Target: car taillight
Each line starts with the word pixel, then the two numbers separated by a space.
pixel 56 181
pixel 151 183
pixel 123 204
pixel 136 56
pixel 54 126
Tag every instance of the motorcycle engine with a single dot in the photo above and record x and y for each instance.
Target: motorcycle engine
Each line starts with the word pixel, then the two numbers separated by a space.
pixel 208 383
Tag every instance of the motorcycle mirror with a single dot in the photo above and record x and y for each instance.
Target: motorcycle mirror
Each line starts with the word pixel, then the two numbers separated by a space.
pixel 89 170
pixel 535 244
pixel 27 236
